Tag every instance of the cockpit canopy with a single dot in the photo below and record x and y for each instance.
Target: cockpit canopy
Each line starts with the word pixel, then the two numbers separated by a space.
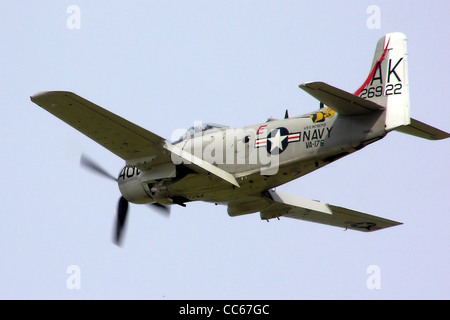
pixel 198 128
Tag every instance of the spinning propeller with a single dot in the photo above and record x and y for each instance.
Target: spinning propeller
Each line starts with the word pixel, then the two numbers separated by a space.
pixel 122 207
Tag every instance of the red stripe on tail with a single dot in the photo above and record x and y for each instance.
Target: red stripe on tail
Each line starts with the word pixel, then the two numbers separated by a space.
pixel 358 92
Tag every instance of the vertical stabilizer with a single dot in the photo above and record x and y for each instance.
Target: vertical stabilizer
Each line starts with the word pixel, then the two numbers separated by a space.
pixel 387 83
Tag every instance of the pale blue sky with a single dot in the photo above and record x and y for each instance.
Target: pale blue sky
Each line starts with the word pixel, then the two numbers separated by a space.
pixel 166 64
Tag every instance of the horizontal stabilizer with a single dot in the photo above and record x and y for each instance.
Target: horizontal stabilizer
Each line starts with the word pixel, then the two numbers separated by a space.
pixel 343 102
pixel 314 211
pixel 422 130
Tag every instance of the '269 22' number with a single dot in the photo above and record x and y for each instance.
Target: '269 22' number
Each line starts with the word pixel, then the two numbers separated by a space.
pixel 378 91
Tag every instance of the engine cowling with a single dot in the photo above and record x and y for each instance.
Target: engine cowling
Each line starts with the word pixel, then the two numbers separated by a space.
pixel 131 187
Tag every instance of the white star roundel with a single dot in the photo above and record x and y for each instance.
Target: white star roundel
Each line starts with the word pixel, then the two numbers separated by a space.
pixel 277 141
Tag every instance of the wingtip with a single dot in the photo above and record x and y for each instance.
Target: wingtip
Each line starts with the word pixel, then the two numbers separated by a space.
pixel 39 94
pixel 44 94
pixel 312 85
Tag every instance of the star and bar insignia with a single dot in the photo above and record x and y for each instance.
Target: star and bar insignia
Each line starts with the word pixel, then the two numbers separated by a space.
pixel 277 140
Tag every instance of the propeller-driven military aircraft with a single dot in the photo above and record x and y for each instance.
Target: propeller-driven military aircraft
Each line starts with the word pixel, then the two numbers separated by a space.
pixel 240 168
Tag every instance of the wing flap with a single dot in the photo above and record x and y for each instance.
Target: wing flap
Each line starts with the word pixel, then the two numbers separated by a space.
pixel 341 101
pixel 314 211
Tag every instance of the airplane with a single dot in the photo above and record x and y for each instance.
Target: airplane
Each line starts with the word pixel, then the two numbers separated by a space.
pixel 241 168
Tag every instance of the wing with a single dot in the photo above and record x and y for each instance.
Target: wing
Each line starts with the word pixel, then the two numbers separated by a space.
pixel 120 136
pixel 137 146
pixel 314 211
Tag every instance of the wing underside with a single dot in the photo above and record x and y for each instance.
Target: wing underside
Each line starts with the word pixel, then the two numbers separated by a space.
pixel 118 135
pixel 313 211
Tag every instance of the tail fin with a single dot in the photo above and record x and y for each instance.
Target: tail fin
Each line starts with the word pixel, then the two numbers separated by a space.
pixel 385 89
pixel 387 84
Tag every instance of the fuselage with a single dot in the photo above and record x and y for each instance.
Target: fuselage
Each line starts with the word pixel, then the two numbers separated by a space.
pixel 261 156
